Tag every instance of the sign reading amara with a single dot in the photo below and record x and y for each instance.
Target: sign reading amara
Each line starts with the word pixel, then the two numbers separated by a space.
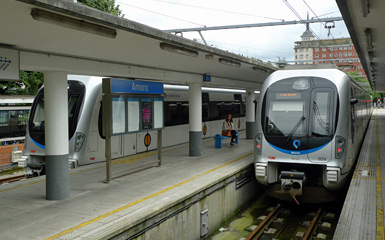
pixel 133 86
pixel 9 64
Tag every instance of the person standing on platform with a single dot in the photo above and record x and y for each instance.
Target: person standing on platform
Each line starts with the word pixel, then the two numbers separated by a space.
pixel 228 129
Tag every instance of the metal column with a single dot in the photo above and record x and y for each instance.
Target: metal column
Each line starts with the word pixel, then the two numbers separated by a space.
pixel 195 119
pixel 250 113
pixel 56 135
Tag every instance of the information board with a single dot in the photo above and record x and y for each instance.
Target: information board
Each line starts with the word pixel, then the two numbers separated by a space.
pixel 147 113
pixel 158 113
pixel 118 115
pixel 133 114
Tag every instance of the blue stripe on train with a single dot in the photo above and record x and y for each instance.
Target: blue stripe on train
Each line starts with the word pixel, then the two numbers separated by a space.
pixel 291 152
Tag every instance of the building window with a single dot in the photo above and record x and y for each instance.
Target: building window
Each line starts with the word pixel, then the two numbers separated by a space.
pixel 345 54
pixel 350 54
pixel 307 56
pixel 323 49
pixel 340 55
pixel 300 56
pixel 350 47
pixel 316 49
pixel 316 56
pixel 330 49
pixel 335 54
pixel 330 55
pixel 324 55
pixel 354 54
pixel 340 48
pixel 345 48
pixel 301 49
pixel 360 67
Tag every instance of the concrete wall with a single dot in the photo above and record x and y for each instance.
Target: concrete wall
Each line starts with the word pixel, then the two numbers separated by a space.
pixel 183 220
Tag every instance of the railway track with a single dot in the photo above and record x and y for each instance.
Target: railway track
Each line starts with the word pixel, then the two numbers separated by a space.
pixel 11 179
pixel 265 230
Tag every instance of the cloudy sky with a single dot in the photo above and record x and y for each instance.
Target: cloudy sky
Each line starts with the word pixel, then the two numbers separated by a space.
pixel 265 43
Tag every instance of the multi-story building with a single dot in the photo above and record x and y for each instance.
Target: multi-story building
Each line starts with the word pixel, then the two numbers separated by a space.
pixel 338 51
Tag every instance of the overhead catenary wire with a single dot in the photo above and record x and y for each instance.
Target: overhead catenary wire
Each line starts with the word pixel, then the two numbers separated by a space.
pixel 217 10
pixel 161 14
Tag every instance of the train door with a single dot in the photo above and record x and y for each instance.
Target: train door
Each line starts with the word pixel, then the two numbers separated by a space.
pixel 321 125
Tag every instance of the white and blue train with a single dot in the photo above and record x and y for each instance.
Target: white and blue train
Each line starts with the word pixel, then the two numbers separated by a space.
pixel 87 145
pixel 310 126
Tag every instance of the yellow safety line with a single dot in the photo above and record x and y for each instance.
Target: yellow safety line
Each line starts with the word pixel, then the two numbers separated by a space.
pixel 380 209
pixel 143 199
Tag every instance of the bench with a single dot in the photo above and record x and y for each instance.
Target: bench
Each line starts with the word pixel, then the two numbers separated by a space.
pixel 218 139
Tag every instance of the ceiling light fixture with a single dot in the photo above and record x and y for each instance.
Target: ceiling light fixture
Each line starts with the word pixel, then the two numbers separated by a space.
pixel 72 23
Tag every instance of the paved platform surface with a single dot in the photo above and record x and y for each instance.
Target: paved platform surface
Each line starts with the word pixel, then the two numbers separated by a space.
pixel 139 188
pixel 362 216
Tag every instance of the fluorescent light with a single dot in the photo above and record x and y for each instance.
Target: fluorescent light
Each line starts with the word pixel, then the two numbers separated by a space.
pixel 178 49
pixel 72 23
pixel 229 62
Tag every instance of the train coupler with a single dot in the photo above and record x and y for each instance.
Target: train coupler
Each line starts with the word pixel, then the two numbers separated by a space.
pixel 292 182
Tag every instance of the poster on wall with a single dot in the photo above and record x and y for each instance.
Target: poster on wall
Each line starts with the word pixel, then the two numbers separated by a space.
pixel 147 113
pixel 118 115
pixel 133 114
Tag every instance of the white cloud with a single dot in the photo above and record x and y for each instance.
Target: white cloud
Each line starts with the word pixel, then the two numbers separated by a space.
pixel 265 43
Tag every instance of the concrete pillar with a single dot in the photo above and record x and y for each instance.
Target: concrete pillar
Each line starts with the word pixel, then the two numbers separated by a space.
pixel 56 135
pixel 195 119
pixel 250 114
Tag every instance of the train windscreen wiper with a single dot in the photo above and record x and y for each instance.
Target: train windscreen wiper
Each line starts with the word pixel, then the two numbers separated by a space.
pixel 300 121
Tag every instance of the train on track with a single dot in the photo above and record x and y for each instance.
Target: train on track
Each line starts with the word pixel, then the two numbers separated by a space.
pixel 14 111
pixel 86 143
pixel 309 129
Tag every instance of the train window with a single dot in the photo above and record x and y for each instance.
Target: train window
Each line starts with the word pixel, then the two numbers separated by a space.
pixel 321 113
pixel 286 117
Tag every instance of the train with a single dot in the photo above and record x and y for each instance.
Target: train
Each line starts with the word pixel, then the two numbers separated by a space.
pixel 14 112
pixel 86 142
pixel 309 130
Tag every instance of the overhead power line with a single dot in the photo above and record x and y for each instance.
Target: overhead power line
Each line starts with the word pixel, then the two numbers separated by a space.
pixel 268 24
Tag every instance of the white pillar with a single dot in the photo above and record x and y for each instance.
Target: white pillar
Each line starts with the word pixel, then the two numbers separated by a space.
pixel 250 113
pixel 195 119
pixel 56 135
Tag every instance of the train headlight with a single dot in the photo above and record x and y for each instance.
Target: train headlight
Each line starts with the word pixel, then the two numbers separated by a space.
pixel 340 146
pixel 301 84
pixel 79 140
pixel 258 143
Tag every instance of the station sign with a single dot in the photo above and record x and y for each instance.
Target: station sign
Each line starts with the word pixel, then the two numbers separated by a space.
pixel 136 87
pixel 9 65
pixel 134 106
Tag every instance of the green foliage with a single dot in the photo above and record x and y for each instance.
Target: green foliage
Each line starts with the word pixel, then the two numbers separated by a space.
pixel 364 83
pixel 104 5
pixel 29 84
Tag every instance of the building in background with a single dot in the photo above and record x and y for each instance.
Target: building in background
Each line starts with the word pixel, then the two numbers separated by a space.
pixel 338 51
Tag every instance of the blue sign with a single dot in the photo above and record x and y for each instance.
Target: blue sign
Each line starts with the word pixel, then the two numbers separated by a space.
pixel 206 78
pixel 133 86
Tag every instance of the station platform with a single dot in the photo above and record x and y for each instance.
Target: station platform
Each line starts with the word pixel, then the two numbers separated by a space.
pixel 362 216
pixel 140 198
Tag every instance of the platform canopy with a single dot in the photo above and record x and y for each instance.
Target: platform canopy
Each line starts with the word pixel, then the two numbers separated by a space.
pixel 365 21
pixel 61 35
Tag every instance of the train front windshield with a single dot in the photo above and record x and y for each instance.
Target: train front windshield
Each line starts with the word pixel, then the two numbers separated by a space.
pixel 36 124
pixel 300 113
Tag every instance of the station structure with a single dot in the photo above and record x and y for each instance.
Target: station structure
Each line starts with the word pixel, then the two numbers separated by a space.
pixel 61 37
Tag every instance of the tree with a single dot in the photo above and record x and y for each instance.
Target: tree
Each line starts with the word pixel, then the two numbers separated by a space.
pixel 104 5
pixel 29 84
